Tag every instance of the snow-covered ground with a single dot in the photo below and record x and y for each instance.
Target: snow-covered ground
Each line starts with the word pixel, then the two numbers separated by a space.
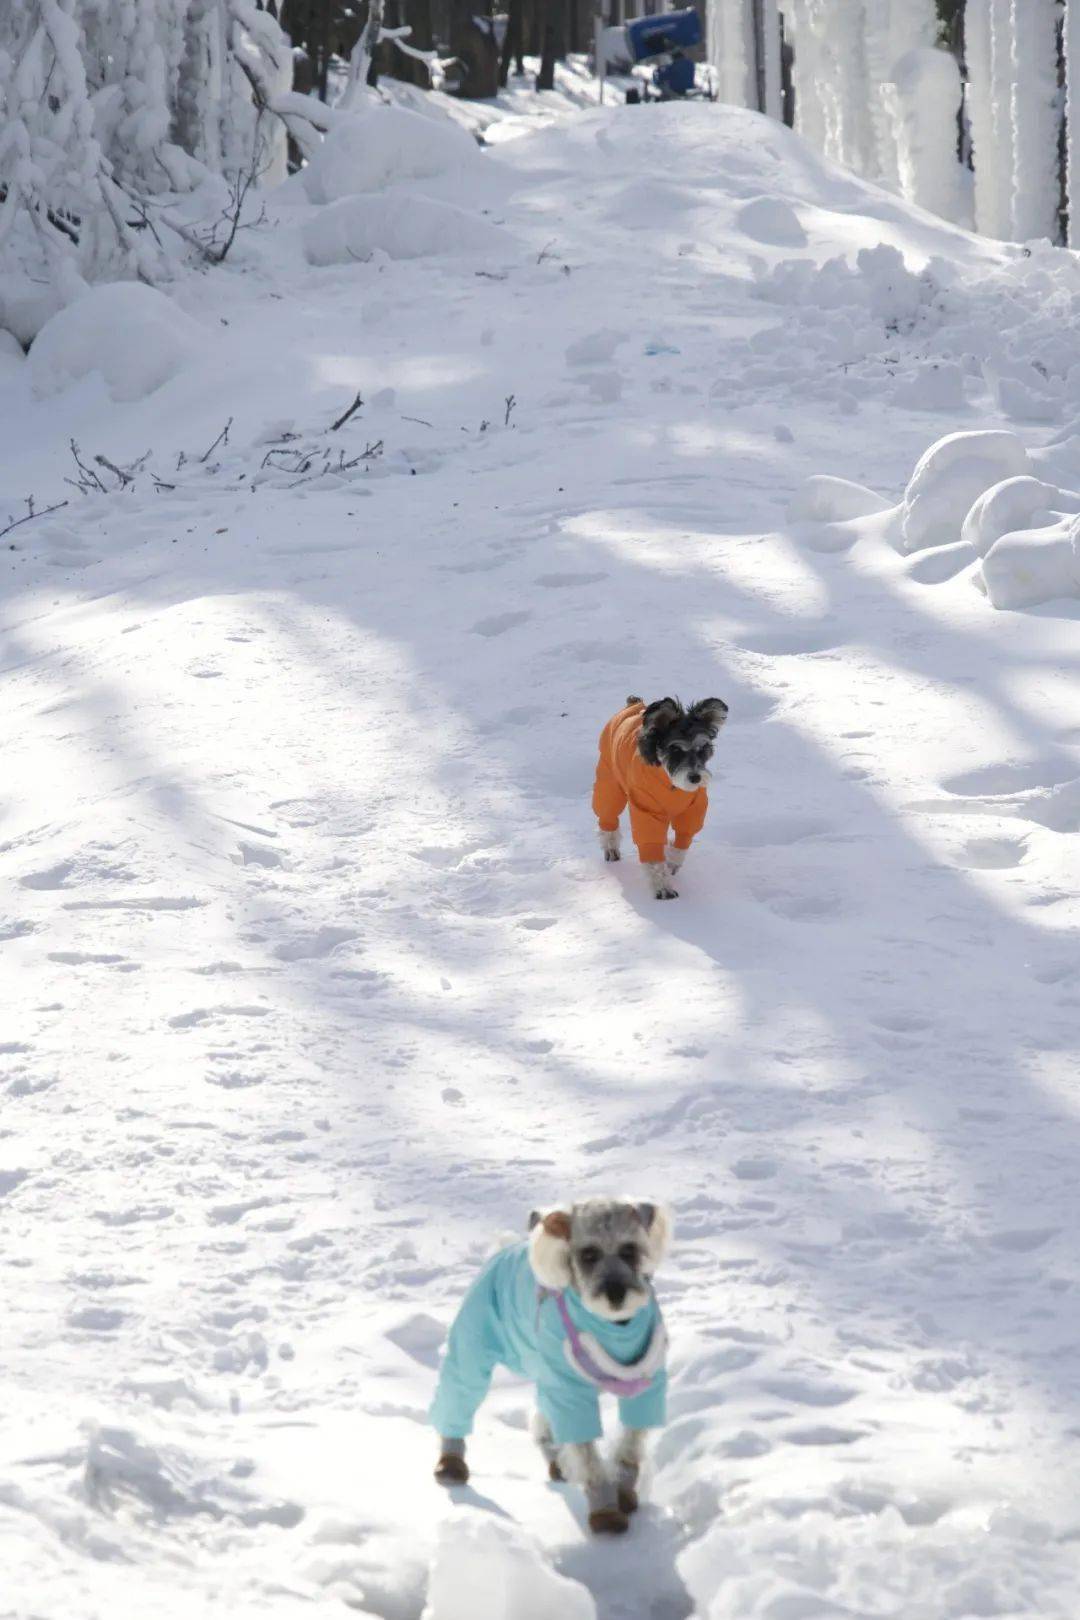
pixel 314 982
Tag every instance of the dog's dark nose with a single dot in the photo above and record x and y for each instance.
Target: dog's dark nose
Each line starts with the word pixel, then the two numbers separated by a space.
pixel 694 777
pixel 616 1293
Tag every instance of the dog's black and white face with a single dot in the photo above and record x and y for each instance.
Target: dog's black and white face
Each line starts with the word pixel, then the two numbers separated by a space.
pixel 605 1248
pixel 681 740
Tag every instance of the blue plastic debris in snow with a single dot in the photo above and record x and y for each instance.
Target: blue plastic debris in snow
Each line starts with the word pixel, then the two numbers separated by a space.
pixel 656 36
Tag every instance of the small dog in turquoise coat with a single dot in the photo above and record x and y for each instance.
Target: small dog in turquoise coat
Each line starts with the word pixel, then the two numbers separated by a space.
pixel 573 1310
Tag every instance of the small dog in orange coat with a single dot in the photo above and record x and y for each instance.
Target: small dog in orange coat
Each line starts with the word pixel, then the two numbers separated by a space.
pixel 655 759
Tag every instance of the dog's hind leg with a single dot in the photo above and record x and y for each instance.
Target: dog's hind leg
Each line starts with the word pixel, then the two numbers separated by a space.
pixel 541 1430
pixel 583 1464
pixel 629 1456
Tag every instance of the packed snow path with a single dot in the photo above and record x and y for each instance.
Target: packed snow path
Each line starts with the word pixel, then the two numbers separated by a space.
pixel 315 982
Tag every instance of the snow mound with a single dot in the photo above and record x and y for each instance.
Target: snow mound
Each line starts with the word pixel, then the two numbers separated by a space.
pixel 1034 565
pixel 384 145
pixel 1013 504
pixel 949 478
pixel 401 225
pixel 488 1569
pixel 879 283
pixel 135 336
pixel 833 500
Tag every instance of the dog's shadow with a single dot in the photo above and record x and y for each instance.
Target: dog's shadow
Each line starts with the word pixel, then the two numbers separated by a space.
pixel 630 1577
pixel 468 1496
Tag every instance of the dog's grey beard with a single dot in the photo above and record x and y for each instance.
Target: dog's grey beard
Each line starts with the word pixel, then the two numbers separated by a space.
pixel 635 1299
pixel 678 778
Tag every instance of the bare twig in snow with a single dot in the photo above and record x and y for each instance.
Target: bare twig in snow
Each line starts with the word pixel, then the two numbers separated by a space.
pixel 341 421
pixel 118 472
pixel 14 523
pixel 509 402
pixel 88 479
pixel 222 438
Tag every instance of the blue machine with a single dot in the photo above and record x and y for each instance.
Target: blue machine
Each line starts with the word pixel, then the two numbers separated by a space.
pixel 664 39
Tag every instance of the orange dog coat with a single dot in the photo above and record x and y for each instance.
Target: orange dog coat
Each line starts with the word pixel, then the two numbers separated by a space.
pixel 656 804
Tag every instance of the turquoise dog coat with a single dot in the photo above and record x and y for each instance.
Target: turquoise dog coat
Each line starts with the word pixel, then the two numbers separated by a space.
pixel 549 1337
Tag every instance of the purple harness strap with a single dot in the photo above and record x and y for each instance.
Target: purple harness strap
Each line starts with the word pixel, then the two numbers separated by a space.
pixel 584 1360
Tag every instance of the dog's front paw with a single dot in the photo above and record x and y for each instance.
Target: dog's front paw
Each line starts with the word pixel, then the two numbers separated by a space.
pixel 452 1470
pixel 608 1521
pixel 664 891
pixel 628 1499
pixel 612 855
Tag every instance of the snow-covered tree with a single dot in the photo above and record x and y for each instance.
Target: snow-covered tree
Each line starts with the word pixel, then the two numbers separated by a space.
pixel 1071 39
pixel 1035 119
pixel 109 109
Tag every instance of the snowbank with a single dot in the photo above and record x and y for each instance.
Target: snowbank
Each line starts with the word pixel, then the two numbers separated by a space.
pixel 133 335
pixel 387 144
pixel 952 474
pixel 488 1569
pixel 400 224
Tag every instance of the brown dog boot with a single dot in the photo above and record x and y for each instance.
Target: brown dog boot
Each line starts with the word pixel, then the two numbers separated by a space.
pixel 608 1521
pixel 451 1468
pixel 606 1517
pixel 626 1478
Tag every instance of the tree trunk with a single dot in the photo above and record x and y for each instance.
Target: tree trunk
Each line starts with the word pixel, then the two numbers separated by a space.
pixel 512 43
pixel 551 16
pixel 417 13
pixel 476 51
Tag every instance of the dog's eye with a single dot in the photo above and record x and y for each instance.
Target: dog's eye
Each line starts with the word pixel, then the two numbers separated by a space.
pixel 675 752
pixel 589 1255
pixel 629 1254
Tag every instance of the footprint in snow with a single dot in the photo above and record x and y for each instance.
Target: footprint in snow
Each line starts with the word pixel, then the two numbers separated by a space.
pixel 1022 1240
pixel 562 581
pixel 793 642
pixel 775 831
pixel 308 947
pixel 992 854
pixel 1010 777
pixel 808 1391
pixel 499 623
pixel 206 1015
pixel 823 1434
pixel 16 930
pixel 598 652
pixel 754 1169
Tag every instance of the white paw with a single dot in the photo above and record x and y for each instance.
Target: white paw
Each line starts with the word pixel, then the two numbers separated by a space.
pixel 609 843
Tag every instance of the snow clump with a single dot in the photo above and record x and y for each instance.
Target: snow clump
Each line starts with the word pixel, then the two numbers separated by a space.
pixel 401 225
pixel 384 145
pixel 133 335
pixel 488 1569
pixel 949 478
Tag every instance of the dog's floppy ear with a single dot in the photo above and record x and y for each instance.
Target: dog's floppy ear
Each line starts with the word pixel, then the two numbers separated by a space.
pixel 657 717
pixel 549 1246
pixel 711 713
pixel 656 1219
